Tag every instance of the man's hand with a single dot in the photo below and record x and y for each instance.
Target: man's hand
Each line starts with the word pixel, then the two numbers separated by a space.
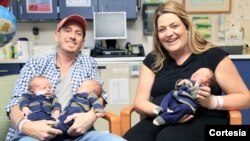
pixel 99 115
pixel 82 122
pixel 40 130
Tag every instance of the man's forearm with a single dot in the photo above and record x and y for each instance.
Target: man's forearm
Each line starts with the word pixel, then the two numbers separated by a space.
pixel 15 115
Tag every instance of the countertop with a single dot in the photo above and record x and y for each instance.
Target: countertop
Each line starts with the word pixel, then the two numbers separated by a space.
pixel 114 59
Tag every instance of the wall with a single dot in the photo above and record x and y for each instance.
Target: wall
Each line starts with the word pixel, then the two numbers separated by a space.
pixel 236 8
pixel 135 30
pixel 233 16
pixel 46 33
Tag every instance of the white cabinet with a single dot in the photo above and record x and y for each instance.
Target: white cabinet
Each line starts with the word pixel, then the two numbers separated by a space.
pixel 120 83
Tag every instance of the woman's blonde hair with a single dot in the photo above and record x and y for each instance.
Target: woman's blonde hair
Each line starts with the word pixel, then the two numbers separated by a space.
pixel 196 43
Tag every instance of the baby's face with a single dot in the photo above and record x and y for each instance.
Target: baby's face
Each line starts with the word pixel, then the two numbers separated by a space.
pixel 90 86
pixel 43 86
pixel 203 76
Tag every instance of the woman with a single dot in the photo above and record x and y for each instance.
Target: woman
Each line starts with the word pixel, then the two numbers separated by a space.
pixel 178 51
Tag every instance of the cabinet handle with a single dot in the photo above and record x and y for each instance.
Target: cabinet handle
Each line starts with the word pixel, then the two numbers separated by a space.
pixel 1 71
pixel 101 67
pixel 21 9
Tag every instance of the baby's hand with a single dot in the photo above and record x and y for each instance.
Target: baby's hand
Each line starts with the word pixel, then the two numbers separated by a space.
pixel 57 121
pixel 56 113
pixel 99 115
pixel 26 111
pixel 184 81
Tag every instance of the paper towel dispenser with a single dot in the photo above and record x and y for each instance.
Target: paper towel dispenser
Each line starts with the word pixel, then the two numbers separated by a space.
pixel 233 49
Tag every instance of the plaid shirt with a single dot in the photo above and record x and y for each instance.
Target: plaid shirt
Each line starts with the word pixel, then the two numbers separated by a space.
pixel 84 67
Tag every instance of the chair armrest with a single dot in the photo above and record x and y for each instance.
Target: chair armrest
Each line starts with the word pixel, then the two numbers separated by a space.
pixel 235 117
pixel 126 118
pixel 114 122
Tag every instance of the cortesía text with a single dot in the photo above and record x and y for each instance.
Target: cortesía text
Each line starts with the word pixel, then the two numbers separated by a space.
pixel 240 132
pixel 214 132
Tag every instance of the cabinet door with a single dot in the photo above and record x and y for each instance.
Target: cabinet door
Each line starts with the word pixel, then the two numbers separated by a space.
pixel 129 6
pixel 243 68
pixel 37 10
pixel 118 80
pixel 85 9
pixel 7 69
pixel 13 8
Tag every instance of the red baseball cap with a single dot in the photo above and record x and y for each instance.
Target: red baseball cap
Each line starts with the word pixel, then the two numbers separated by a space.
pixel 77 18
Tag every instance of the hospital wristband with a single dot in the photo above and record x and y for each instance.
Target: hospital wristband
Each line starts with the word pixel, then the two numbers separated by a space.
pixel 215 102
pixel 220 102
pixel 20 126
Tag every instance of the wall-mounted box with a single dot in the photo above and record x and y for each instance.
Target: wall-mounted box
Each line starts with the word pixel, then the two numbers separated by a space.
pixel 148 11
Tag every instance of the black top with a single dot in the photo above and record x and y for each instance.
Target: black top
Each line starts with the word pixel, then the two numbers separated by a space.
pixel 166 78
pixel 192 130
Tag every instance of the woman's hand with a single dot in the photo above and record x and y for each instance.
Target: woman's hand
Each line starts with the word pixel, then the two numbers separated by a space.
pixel 204 97
pixel 82 122
pixel 40 130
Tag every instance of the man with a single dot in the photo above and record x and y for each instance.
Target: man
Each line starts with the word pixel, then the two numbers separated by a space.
pixel 66 69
